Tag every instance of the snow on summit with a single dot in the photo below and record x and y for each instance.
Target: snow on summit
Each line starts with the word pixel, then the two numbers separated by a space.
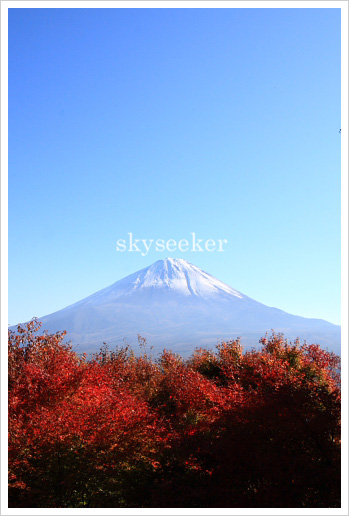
pixel 182 277
pixel 165 277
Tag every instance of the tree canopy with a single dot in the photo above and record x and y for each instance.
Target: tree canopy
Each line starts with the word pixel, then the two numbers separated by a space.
pixel 224 428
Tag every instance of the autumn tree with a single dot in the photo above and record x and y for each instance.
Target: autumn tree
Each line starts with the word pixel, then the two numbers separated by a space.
pixel 225 428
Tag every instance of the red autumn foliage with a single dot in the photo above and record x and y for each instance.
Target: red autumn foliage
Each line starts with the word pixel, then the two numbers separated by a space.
pixel 221 429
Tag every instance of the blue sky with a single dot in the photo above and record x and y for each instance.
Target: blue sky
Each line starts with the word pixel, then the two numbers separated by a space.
pixel 163 122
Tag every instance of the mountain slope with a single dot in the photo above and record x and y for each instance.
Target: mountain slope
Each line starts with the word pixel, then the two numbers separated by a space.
pixel 176 305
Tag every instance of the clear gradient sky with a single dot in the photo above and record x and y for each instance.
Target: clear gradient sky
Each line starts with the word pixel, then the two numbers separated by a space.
pixel 163 122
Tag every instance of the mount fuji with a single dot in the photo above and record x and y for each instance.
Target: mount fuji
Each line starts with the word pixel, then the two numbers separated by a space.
pixel 175 305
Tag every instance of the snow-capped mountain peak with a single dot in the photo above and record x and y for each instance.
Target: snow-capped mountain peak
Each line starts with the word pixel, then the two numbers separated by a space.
pixel 182 277
pixel 174 303
pixel 172 275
